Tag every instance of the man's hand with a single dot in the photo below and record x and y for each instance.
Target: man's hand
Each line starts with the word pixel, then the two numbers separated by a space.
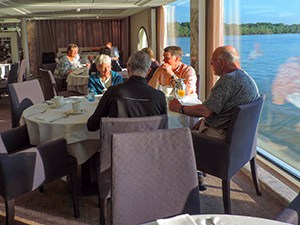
pixel 175 105
pixel 168 68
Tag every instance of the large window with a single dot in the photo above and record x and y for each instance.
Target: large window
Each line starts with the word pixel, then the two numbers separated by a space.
pixel 177 25
pixel 267 35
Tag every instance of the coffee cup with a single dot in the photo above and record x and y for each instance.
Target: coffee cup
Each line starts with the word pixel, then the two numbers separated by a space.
pixel 76 106
pixel 58 101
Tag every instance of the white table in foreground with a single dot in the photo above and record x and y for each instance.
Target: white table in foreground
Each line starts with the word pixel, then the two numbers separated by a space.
pixel 82 143
pixel 220 219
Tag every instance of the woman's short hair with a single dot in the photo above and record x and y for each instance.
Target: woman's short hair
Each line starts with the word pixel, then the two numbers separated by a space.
pixel 71 46
pixel 149 51
pixel 103 59
pixel 139 62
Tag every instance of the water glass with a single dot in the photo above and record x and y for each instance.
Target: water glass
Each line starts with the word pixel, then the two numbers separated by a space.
pixel 91 96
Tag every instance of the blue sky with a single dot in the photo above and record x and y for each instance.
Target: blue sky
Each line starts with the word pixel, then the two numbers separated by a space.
pixel 252 11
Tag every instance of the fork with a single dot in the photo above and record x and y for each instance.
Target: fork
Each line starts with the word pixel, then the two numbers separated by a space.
pixel 35 113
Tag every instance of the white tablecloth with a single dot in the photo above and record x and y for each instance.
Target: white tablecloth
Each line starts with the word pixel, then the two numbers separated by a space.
pixel 4 69
pixel 77 83
pixel 81 143
pixel 225 220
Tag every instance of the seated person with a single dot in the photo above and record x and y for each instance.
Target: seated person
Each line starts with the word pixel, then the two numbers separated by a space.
pixel 68 63
pixel 134 98
pixel 154 63
pixel 104 77
pixel 114 54
pixel 172 69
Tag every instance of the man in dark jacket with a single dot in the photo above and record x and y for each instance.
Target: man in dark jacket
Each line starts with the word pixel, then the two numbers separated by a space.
pixel 134 98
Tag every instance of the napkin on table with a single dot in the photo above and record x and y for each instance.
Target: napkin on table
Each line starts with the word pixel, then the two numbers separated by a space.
pixel 184 219
pixel 50 117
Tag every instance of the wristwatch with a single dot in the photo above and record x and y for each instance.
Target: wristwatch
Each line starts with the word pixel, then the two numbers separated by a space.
pixel 181 109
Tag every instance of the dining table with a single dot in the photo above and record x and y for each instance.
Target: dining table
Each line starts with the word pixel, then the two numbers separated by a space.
pixel 215 219
pixel 46 122
pixel 78 80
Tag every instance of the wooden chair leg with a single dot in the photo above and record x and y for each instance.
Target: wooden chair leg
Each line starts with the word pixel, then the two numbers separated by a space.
pixel 226 196
pixel 10 211
pixel 254 175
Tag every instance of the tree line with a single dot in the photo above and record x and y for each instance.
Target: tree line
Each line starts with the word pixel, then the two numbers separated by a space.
pixel 183 29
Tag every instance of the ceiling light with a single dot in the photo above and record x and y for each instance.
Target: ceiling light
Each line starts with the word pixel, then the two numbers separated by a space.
pixel 78 10
pixel 24 13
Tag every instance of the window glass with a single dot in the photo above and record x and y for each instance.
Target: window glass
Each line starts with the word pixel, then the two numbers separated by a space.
pixel 267 35
pixel 177 23
pixel 143 41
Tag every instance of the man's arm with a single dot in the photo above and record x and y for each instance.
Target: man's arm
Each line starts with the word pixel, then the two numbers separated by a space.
pixel 195 110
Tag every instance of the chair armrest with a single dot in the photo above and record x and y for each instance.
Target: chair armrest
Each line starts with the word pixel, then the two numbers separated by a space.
pixel 17 174
pixel 16 139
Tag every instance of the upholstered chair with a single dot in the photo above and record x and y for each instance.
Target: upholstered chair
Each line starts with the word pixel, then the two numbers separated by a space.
pixel 24 168
pixel 224 158
pixel 22 95
pixel 108 126
pixel 154 176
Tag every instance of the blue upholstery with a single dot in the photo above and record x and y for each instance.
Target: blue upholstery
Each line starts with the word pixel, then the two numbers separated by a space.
pixel 224 158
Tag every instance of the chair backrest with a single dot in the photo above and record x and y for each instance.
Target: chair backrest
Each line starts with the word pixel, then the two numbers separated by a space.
pixel 242 133
pixel 291 214
pixel 22 70
pixel 154 176
pixel 109 125
pixel 47 83
pixel 13 73
pixel 22 95
pixel 49 66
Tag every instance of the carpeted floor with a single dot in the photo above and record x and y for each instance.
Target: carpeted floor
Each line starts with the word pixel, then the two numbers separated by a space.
pixel 55 205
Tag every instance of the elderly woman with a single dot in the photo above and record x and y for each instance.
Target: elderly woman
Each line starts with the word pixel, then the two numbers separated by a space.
pixel 104 77
pixel 68 63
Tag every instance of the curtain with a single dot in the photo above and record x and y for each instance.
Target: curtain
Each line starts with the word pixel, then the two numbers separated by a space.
pixel 160 33
pixel 214 36
pixel 54 34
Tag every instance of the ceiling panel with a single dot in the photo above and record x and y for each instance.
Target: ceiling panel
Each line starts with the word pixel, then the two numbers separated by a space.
pixel 70 9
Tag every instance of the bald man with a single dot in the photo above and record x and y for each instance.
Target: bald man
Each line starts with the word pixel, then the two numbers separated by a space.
pixel 234 87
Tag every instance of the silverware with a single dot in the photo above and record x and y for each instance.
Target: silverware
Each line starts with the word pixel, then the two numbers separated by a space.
pixel 209 221
pixel 36 113
pixel 65 115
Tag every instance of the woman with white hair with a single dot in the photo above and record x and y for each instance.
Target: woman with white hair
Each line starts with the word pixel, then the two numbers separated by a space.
pixel 104 77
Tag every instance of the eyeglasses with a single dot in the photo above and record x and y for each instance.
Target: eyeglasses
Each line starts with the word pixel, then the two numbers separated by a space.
pixel 214 60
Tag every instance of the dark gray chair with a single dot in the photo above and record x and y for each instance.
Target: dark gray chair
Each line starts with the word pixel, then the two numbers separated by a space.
pixel 49 86
pixel 24 168
pixel 154 176
pixel 291 214
pixel 119 125
pixel 224 158
pixel 22 95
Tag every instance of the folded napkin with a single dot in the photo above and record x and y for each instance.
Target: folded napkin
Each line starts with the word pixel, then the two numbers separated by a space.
pixel 50 117
pixel 294 99
pixel 184 219
pixel 187 100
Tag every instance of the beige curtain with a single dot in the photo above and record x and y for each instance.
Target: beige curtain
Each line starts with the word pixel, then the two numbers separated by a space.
pixel 160 33
pixel 214 36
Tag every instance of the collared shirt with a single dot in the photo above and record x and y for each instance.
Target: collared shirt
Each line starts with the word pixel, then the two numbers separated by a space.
pixel 184 71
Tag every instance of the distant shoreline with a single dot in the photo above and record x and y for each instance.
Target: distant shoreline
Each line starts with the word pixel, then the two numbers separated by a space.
pixel 183 29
